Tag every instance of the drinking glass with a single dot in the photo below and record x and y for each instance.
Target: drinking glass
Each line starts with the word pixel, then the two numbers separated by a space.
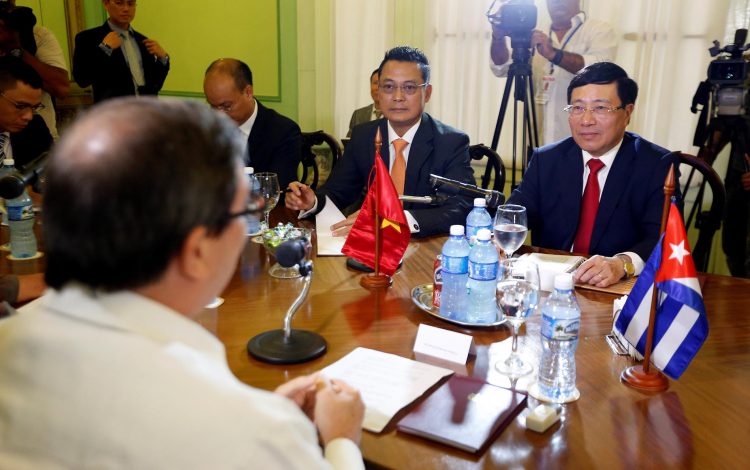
pixel 510 227
pixel 517 298
pixel 268 188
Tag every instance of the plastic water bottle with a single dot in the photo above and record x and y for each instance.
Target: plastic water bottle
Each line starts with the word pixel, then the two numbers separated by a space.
pixel 253 220
pixel 21 223
pixel 561 318
pixel 7 167
pixel 477 219
pixel 481 283
pixel 455 271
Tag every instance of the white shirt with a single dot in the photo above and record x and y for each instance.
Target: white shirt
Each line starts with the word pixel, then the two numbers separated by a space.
pixel 608 159
pixel 247 126
pixel 49 52
pixel 92 380
pixel 595 41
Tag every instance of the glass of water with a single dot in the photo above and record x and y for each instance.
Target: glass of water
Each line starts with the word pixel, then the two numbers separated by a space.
pixel 517 298
pixel 510 227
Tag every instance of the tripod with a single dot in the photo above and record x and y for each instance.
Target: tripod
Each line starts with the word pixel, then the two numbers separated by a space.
pixel 519 74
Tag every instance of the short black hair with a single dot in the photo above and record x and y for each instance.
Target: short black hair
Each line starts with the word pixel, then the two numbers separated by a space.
pixel 408 54
pixel 235 68
pixel 128 183
pixel 14 70
pixel 603 73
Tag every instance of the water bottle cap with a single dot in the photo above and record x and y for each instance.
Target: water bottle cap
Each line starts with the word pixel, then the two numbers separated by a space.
pixel 564 281
pixel 480 202
pixel 457 230
pixel 249 170
pixel 9 162
pixel 484 234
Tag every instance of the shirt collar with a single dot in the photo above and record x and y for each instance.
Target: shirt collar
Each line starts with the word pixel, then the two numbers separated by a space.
pixel 408 135
pixel 608 158
pixel 119 30
pixel 247 126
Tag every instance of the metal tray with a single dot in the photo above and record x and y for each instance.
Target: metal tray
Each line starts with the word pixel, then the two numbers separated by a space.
pixel 422 298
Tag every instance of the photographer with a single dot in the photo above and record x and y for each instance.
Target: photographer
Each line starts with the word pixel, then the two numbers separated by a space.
pixel 571 43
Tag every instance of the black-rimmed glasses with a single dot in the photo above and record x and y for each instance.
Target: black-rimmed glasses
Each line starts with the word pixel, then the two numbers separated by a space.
pixel 21 107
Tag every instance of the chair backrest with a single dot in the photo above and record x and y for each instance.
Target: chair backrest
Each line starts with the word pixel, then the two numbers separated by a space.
pixel 494 166
pixel 707 222
pixel 309 162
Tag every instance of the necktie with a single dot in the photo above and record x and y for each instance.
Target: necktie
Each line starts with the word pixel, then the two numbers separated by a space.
pixel 3 140
pixel 134 60
pixel 398 170
pixel 589 206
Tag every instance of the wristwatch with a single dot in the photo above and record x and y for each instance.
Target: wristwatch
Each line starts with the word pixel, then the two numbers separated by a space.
pixel 558 57
pixel 17 52
pixel 628 265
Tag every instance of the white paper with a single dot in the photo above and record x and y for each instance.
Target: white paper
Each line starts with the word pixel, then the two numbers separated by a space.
pixel 551 265
pixel 386 382
pixel 443 344
pixel 328 245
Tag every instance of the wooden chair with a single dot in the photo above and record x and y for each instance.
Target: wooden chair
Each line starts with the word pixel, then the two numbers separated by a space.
pixel 707 222
pixel 309 162
pixel 494 166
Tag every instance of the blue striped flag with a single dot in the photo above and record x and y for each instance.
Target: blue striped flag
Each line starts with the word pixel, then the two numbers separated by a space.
pixel 681 326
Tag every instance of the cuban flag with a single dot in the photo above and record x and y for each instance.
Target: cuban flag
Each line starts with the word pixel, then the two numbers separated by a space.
pixel 681 324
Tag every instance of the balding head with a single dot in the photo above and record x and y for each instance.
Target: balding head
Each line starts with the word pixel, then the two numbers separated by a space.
pixel 128 182
pixel 228 86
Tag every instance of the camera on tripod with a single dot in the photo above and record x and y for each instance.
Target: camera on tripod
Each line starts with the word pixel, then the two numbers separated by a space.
pixel 729 76
pixel 517 17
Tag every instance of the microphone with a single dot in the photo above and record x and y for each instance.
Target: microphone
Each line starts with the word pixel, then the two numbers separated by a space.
pixel 493 198
pixel 435 200
pixel 13 184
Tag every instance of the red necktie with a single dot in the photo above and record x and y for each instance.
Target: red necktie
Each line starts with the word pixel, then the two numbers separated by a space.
pixel 398 170
pixel 589 206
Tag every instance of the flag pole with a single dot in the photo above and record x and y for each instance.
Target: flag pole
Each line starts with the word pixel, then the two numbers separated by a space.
pixel 642 376
pixel 376 279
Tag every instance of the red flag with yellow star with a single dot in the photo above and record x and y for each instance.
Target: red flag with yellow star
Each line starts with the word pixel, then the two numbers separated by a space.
pixel 394 230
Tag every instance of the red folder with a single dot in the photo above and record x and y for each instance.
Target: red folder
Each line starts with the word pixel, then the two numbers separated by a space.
pixel 465 413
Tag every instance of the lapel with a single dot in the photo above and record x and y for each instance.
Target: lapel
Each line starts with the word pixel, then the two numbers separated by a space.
pixel 614 189
pixel 385 147
pixel 570 184
pixel 419 154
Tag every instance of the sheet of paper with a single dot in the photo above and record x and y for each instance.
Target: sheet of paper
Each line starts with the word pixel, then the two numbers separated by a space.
pixel 328 245
pixel 386 382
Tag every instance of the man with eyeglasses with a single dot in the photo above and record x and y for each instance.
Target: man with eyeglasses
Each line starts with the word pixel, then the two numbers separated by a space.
pixel 23 134
pixel 115 59
pixel 414 145
pixel 599 192
pixel 109 369
pixel 272 141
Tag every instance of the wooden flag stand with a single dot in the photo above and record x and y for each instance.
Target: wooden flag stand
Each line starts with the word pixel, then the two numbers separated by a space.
pixel 643 377
pixel 376 280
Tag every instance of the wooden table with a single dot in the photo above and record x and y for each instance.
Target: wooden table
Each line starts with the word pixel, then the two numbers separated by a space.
pixel 700 422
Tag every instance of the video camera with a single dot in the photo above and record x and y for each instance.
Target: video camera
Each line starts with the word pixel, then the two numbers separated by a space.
pixel 517 17
pixel 728 75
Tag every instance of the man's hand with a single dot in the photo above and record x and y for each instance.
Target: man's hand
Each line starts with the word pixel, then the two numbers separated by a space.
pixel 302 391
pixel 112 40
pixel 543 44
pixel 300 197
pixel 154 48
pixel 600 271
pixel 341 229
pixel 745 178
pixel 339 412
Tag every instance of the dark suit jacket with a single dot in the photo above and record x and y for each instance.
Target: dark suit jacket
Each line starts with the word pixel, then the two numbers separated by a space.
pixel 274 145
pixel 31 142
pixel 436 148
pixel 109 75
pixel 630 208
pixel 360 116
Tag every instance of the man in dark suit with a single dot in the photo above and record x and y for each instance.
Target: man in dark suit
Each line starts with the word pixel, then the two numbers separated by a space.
pixel 24 134
pixel 414 145
pixel 273 140
pixel 116 60
pixel 600 191
pixel 368 113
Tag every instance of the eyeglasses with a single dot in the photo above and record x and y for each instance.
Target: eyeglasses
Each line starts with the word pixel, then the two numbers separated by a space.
pixel 254 207
pixel 575 110
pixel 406 88
pixel 223 107
pixel 122 3
pixel 21 107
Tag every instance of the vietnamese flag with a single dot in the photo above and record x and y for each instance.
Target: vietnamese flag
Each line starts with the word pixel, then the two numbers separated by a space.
pixel 394 230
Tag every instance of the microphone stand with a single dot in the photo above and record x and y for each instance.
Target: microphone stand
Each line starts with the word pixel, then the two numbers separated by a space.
pixel 287 345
